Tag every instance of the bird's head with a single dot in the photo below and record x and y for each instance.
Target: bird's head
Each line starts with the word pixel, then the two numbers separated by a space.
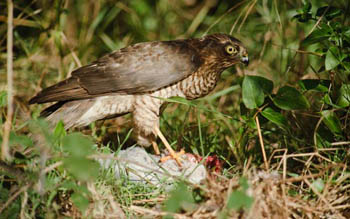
pixel 223 50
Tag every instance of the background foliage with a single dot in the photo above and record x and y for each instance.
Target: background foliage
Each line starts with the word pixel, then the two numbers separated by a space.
pixel 295 93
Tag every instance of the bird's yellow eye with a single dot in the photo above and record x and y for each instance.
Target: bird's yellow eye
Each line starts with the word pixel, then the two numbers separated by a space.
pixel 230 49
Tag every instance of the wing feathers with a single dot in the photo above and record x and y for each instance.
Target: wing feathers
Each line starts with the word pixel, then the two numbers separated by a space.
pixel 68 89
pixel 140 68
pixel 135 69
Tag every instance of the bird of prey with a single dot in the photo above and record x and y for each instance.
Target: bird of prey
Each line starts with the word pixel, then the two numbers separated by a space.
pixel 137 78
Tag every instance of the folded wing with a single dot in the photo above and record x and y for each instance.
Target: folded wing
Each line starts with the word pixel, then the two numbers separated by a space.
pixel 135 69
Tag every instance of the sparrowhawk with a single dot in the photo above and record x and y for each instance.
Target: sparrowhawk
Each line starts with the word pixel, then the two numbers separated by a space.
pixel 137 78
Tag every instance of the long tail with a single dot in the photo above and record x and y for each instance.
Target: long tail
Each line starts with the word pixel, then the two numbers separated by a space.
pixel 79 113
pixel 66 90
pixel 69 112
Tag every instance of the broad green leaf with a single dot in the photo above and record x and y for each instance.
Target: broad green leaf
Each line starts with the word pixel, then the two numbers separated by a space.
pixel 80 201
pixel 275 117
pixel 332 58
pixel 344 96
pixel 23 140
pixel 180 198
pixel 265 84
pixel 70 185
pixel 253 89
pixel 82 169
pixel 77 145
pixel 243 183
pixel 239 199
pixel 332 121
pixel 252 94
pixel 314 84
pixel 289 98
pixel 317 36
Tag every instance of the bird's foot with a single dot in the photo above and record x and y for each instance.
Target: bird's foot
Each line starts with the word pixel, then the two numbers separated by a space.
pixel 155 147
pixel 174 155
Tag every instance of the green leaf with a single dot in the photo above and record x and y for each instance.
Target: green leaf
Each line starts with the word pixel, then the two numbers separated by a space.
pixel 265 84
pixel 332 121
pixel 253 89
pixel 317 36
pixel 82 169
pixel 180 198
pixel 344 96
pixel 70 185
pixel 303 17
pixel 141 7
pixel 243 183
pixel 332 58
pixel 23 140
pixel 314 84
pixel 77 145
pixel 252 93
pixel 59 130
pixel 346 33
pixel 329 12
pixel 304 14
pixel 239 199
pixel 307 6
pixel 80 201
pixel 289 98
pixel 275 117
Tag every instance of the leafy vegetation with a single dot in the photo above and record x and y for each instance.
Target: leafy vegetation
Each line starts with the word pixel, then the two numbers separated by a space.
pixel 280 127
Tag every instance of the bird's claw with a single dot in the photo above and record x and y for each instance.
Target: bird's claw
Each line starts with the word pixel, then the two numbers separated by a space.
pixel 174 155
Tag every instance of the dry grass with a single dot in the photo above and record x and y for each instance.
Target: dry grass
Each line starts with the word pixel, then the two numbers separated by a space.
pixel 270 198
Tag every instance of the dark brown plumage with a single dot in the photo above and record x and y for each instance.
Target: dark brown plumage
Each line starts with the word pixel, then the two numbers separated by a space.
pixel 130 80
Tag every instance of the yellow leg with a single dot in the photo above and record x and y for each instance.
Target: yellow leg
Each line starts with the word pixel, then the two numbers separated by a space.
pixel 173 154
pixel 155 147
pixel 176 156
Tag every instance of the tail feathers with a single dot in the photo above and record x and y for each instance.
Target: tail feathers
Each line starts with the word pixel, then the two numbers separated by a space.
pixel 68 89
pixel 69 112
pixel 78 113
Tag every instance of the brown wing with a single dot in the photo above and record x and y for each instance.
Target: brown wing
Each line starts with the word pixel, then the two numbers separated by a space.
pixel 139 68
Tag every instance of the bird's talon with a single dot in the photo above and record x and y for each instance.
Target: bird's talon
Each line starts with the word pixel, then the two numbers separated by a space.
pixel 174 155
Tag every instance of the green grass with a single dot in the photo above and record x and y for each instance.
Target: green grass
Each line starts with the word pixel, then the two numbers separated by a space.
pixel 307 159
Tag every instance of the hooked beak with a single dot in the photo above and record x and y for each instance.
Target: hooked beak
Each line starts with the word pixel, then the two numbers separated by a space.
pixel 245 60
